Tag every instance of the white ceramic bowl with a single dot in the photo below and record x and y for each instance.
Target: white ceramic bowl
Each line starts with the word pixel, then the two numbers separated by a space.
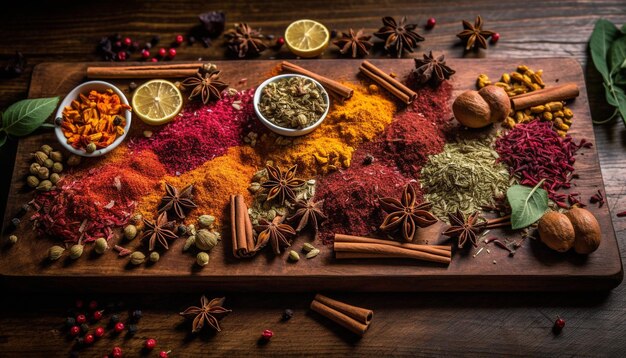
pixel 290 132
pixel 85 88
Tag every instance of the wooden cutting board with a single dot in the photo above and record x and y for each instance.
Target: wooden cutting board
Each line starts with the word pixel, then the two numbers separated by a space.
pixel 534 267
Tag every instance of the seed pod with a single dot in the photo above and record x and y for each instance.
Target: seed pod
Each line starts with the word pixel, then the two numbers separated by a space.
pixel 54 178
pixel 46 149
pixel 44 185
pixel 73 160
pixel 56 156
pixel 130 232
pixel 91 147
pixel 48 163
pixel 137 258
pixel 190 241
pixel 202 259
pixel 100 245
pixel 55 252
pixel 13 239
pixel 311 254
pixel 57 167
pixel 32 181
pixel 43 173
pixel 568 113
pixel 154 256
pixel 547 116
pixel 40 157
pixel 76 251
pixel 206 221
pixel 34 168
pixel 293 256
pixel 307 247
pixel 206 240
pixel 538 109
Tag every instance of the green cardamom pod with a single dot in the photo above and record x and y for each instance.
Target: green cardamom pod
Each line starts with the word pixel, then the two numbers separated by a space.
pixel 206 221
pixel 48 163
pixel 57 167
pixel 32 181
pixel 46 149
pixel 45 185
pixel 137 258
pixel 202 259
pixel 154 256
pixel 191 229
pixel 130 232
pixel 55 252
pixel 43 173
pixel 190 241
pixel 76 251
pixel 34 168
pixel 100 245
pixel 311 254
pixel 206 240
pixel 73 160
pixel 293 256
pixel 56 156
pixel 307 247
pixel 54 178
pixel 91 147
pixel 40 157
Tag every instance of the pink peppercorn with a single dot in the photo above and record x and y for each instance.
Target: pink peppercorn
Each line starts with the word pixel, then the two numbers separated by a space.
pixel 171 53
pixel 267 334
pixel 495 37
pixel 430 23
pixel 162 52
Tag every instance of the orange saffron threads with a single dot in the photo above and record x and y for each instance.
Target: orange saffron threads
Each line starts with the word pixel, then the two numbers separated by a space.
pixel 96 118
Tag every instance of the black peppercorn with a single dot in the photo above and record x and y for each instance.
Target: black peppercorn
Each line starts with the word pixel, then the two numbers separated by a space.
pixel 333 33
pixel 70 322
pixel 80 341
pixel 84 328
pixel 136 315
pixel 147 46
pixel 132 86
pixel 191 40
pixel 113 320
pixel 369 159
pixel 155 40
pixel 287 314
pixel 181 230
pixel 15 222
pixel 270 37
pixel 118 119
pixel 132 329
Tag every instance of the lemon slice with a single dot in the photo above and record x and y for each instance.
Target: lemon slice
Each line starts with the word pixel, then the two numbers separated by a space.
pixel 306 38
pixel 157 102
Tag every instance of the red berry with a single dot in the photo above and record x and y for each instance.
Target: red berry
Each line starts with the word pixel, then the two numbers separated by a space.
pixel 99 332
pixel 495 37
pixel 119 327
pixel 171 53
pixel 118 44
pixel 121 55
pixel 74 331
pixel 145 54
pixel 162 52
pixel 79 303
pixel 280 41
pixel 430 23
pixel 150 343
pixel 154 59
pixel 116 352
pixel 128 41
pixel 89 338
pixel 559 323
pixel 80 319
pixel 267 334
pixel 97 315
pixel 179 39
pixel 93 305
pixel 163 354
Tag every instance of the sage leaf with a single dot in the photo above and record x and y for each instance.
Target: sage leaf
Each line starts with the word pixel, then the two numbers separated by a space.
pixel 603 35
pixel 23 117
pixel 527 204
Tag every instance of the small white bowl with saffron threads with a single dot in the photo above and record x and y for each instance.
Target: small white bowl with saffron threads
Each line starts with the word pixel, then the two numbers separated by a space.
pixel 286 131
pixel 85 89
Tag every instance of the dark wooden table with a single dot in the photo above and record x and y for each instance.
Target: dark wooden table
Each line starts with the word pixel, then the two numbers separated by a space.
pixel 404 324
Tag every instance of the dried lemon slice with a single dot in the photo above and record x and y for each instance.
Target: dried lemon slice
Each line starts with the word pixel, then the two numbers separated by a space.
pixel 307 38
pixel 157 102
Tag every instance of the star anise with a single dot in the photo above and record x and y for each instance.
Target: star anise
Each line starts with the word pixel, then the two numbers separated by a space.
pixel 309 213
pixel 465 229
pixel 275 232
pixel 399 36
pixel 159 231
pixel 474 35
pixel 357 42
pixel 406 214
pixel 432 70
pixel 281 184
pixel 176 200
pixel 244 41
pixel 206 84
pixel 209 312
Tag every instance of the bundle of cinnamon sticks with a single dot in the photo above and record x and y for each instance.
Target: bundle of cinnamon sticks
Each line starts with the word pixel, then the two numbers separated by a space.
pixel 356 247
pixel 178 70
pixel 355 319
pixel 392 85
pixel 333 87
pixel 241 228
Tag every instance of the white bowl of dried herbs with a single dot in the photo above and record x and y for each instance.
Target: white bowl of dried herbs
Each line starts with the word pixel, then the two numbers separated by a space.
pixel 291 105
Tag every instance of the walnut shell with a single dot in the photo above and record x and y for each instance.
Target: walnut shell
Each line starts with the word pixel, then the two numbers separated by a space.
pixel 471 110
pixel 587 230
pixel 556 231
pixel 498 100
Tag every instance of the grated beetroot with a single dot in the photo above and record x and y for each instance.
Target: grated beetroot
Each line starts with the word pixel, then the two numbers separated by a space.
pixel 534 152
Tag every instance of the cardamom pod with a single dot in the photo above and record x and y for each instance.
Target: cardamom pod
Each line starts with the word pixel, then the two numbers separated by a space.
pixel 32 181
pixel 307 247
pixel 137 258
pixel 191 229
pixel 189 242
pixel 46 149
pixel 206 221
pixel 154 256
pixel 206 240
pixel 43 173
pixel 293 256
pixel 40 157
pixel 44 185
pixel 202 259
pixel 91 147
pixel 48 163
pixel 76 251
pixel 54 178
pixel 55 252
pixel 56 156
pixel 34 168
pixel 130 232
pixel 311 254
pixel 57 167
pixel 73 160
pixel 100 245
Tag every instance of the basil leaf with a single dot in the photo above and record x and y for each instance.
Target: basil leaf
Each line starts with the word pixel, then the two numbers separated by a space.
pixel 603 35
pixel 620 97
pixel 527 204
pixel 23 117
pixel 610 94
pixel 3 138
pixel 617 54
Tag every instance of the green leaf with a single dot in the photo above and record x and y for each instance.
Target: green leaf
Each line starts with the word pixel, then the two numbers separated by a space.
pixel 609 93
pixel 603 35
pixel 3 138
pixel 617 54
pixel 620 96
pixel 23 117
pixel 623 29
pixel 527 204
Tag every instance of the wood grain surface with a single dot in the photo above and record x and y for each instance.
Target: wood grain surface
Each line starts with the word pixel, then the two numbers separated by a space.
pixel 419 324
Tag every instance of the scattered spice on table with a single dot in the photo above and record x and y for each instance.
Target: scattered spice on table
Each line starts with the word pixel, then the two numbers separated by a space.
pixel 597 198
pixel 534 152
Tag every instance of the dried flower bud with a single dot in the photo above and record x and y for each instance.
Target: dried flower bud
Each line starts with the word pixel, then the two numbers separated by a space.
pixel 13 239
pixel 154 256
pixel 202 259
pixel 293 256
pixel 206 221
pixel 43 173
pixel 34 168
pixel 130 232
pixel 57 167
pixel 48 163
pixel 100 245
pixel 73 160
pixel 307 247
pixel 40 157
pixel 44 185
pixel 137 258
pixel 32 181
pixel 91 147
pixel 206 240
pixel 56 156
pixel 55 252
pixel 54 178
pixel 46 149
pixel 190 241
pixel 76 251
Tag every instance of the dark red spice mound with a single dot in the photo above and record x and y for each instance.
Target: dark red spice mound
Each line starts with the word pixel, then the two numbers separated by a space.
pixel 88 206
pixel 200 133
pixel 534 152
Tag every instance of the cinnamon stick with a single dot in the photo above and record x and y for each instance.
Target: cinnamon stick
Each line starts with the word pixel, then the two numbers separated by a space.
pixel 355 319
pixel 241 228
pixel 139 72
pixel 543 96
pixel 344 92
pixel 385 251
pixel 389 83
pixel 433 249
